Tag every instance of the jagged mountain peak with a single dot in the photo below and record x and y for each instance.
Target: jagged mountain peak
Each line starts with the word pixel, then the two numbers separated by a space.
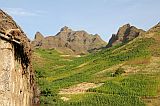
pixel 79 42
pixel 65 29
pixel 126 25
pixel 38 36
pixel 125 33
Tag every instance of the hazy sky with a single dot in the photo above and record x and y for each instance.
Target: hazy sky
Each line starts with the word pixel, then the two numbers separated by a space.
pixel 103 17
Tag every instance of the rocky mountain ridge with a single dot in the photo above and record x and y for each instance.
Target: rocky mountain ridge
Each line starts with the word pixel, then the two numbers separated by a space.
pixel 69 41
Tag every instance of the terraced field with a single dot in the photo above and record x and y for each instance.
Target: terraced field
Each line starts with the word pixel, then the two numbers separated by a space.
pixel 124 75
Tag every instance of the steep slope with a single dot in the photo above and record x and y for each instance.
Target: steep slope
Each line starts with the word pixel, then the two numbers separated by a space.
pixel 17 85
pixel 127 74
pixel 69 41
pixel 125 34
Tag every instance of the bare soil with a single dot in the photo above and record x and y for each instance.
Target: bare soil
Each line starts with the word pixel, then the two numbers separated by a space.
pixel 79 88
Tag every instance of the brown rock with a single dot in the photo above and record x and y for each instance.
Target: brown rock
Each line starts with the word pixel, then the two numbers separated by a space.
pixel 70 42
pixel 125 34
pixel 38 39
pixel 39 36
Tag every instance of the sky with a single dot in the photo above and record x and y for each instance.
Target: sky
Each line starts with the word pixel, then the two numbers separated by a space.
pixel 102 17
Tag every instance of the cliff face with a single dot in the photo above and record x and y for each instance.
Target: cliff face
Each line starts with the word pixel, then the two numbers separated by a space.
pixel 69 41
pixel 125 34
pixel 17 87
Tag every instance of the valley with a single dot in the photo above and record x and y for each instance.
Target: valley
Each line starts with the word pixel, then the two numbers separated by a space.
pixel 122 75
pixel 79 53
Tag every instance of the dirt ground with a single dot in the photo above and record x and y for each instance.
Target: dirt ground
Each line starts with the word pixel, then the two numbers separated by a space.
pixel 79 88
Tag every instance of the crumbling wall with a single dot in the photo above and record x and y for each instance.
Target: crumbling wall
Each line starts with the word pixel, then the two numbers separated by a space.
pixel 14 85
pixel 17 85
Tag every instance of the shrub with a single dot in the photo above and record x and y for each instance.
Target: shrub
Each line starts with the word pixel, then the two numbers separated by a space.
pixel 118 72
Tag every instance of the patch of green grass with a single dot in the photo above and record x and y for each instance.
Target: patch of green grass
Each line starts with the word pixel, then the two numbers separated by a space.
pixel 104 100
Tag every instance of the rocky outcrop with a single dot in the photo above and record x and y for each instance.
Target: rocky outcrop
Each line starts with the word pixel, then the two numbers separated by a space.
pixel 69 41
pixel 38 39
pixel 16 76
pixel 125 34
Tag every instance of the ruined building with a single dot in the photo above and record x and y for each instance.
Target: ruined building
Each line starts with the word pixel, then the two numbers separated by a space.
pixel 16 76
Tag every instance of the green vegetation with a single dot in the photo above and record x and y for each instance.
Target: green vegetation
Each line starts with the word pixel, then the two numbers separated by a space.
pixel 105 100
pixel 135 85
pixel 55 71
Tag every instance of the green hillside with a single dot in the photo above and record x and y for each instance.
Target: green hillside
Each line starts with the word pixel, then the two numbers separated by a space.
pixel 123 75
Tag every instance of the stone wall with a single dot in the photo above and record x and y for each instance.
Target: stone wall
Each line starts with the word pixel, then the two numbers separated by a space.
pixel 15 85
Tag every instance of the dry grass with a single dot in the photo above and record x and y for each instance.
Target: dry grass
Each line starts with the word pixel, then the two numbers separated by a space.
pixel 139 61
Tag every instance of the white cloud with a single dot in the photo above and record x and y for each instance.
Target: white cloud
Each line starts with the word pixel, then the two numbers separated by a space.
pixel 20 12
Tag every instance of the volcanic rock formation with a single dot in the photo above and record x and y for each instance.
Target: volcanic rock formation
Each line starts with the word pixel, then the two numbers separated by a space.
pixel 69 41
pixel 125 34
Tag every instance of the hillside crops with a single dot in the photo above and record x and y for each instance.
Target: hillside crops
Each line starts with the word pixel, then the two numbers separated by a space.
pixel 55 72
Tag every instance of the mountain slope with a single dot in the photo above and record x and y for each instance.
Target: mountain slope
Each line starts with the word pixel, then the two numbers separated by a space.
pixel 120 75
pixel 68 41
